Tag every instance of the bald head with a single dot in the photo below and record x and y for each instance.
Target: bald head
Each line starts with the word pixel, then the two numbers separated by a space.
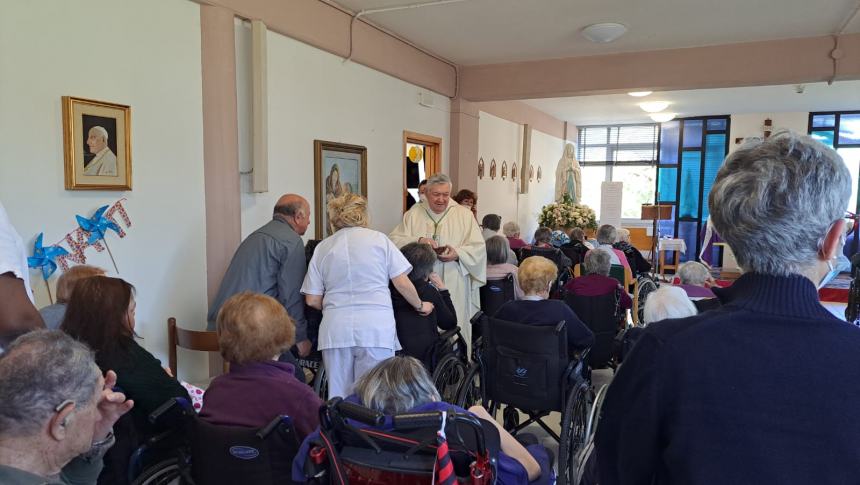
pixel 295 211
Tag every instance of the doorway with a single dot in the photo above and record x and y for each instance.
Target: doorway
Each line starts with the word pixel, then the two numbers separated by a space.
pixel 421 159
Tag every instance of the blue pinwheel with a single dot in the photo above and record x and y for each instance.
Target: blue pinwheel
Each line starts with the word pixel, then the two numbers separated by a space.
pixel 43 257
pixel 97 225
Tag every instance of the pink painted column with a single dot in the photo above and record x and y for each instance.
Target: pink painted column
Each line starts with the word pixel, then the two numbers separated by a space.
pixel 220 143
pixel 463 158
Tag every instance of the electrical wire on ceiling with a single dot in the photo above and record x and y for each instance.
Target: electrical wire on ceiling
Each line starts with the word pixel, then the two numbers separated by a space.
pixel 363 13
pixel 836 53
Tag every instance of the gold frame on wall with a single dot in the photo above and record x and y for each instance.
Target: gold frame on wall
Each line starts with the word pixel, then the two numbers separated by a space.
pixel 74 109
pixel 320 198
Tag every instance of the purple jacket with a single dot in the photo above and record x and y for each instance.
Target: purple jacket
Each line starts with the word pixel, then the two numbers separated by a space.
pixel 254 394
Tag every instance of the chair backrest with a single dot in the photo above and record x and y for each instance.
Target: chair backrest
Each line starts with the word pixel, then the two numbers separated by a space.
pixel 496 293
pixel 234 454
pixel 599 314
pixel 525 365
pixel 551 254
pixel 575 253
pixel 200 340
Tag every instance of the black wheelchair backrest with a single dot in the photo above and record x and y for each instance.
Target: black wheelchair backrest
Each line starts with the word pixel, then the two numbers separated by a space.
pixel 496 293
pixel 526 365
pixel 599 314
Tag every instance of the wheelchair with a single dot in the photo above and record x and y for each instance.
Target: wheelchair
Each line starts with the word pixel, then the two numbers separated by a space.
pixel 314 364
pixel 534 376
pixel 359 445
pixel 208 454
pixel 449 363
pixel 604 317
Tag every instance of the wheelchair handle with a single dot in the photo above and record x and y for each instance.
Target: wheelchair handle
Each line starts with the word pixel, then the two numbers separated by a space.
pixel 417 420
pixel 156 415
pixel 360 413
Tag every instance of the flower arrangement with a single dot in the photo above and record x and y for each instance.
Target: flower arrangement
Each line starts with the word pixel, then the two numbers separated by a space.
pixel 567 214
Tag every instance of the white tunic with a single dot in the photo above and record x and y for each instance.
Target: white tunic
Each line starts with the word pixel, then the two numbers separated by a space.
pixel 13 255
pixel 463 277
pixel 351 270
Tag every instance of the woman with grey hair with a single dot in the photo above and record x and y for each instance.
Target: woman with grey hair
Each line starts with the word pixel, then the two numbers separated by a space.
pixel 417 333
pixel 694 276
pixel 638 264
pixel 596 281
pixel 402 385
pixel 765 389
pixel 606 237
pixel 498 268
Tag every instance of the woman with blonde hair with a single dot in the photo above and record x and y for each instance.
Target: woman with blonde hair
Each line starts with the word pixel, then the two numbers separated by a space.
pixel 348 280
pixel 536 276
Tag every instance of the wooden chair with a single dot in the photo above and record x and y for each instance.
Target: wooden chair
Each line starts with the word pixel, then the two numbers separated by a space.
pixel 202 341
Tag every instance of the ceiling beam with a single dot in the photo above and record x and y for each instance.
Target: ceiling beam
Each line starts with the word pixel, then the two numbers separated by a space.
pixel 789 61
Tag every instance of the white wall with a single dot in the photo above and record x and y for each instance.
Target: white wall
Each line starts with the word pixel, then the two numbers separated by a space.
pixel 315 95
pixel 546 151
pixel 500 140
pixel 749 124
pixel 144 54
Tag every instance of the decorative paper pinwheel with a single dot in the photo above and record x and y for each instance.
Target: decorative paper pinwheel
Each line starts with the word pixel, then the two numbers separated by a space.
pixel 97 226
pixel 43 258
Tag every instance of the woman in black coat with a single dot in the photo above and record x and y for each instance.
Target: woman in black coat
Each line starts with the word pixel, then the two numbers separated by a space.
pixel 417 333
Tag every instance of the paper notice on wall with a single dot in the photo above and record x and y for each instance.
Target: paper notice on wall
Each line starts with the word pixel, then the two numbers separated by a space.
pixel 610 203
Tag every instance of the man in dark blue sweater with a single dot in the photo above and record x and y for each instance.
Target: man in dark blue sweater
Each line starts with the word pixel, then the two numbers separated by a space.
pixel 766 388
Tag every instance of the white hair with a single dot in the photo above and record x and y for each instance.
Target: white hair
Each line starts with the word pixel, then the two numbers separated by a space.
pixel 101 131
pixel 693 273
pixel 774 200
pixel 511 229
pixel 667 302
pixel 623 235
pixel 438 179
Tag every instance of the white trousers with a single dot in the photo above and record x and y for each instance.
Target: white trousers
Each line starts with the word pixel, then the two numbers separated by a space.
pixel 346 365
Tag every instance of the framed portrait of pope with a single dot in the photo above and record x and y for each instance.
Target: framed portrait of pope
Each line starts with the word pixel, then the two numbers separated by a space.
pixel 338 169
pixel 97 144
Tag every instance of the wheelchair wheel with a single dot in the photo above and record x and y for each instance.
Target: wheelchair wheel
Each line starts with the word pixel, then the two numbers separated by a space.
pixel 166 472
pixel 573 431
pixel 448 376
pixel 321 383
pixel 469 393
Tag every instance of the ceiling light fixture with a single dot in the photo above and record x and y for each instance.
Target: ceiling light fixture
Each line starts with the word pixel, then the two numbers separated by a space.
pixel 662 117
pixel 604 33
pixel 640 94
pixel 654 106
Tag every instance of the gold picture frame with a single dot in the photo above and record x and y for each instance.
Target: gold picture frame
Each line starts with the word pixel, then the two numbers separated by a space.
pixel 349 162
pixel 96 144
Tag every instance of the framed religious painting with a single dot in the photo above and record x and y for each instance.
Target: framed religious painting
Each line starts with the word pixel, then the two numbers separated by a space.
pixel 97 144
pixel 338 169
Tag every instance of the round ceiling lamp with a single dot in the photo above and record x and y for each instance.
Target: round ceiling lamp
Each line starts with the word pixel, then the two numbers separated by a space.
pixel 654 106
pixel 662 117
pixel 640 94
pixel 604 33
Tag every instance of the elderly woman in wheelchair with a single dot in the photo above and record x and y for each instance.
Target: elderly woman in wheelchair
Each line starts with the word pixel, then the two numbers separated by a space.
pixel 536 277
pixel 401 385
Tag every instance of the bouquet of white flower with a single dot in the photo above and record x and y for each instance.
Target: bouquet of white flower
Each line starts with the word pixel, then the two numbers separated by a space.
pixel 567 214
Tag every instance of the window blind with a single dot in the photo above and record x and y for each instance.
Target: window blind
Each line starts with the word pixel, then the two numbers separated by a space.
pixel 610 144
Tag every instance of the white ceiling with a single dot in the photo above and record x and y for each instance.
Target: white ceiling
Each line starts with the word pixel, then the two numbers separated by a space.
pixel 494 31
pixel 621 108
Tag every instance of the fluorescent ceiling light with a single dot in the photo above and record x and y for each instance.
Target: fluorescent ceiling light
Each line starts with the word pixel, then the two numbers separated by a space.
pixel 662 117
pixel 654 106
pixel 640 94
pixel 604 33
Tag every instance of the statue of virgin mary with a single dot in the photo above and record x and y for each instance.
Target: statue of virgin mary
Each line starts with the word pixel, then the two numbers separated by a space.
pixel 568 176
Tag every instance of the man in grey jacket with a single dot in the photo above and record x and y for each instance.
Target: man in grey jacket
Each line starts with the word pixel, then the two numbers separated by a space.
pixel 272 261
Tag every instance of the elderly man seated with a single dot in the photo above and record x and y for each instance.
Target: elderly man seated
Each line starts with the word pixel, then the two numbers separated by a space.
pixel 694 275
pixel 56 406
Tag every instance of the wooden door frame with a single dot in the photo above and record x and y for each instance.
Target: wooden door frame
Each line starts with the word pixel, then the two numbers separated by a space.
pixel 432 155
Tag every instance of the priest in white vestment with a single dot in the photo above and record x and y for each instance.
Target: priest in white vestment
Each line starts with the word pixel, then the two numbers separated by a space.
pixel 462 255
